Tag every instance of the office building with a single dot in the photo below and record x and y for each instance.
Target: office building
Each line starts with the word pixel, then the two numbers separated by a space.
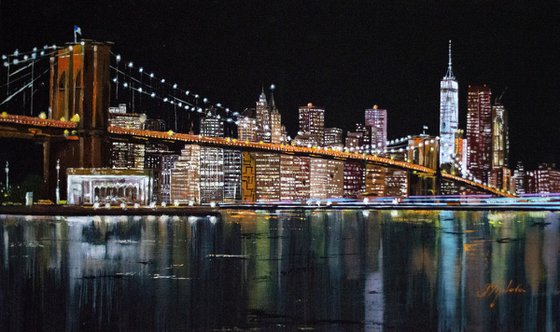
pixel 501 178
pixel 294 181
pixel 500 138
pixel 267 176
pixel 335 178
pixel 333 137
pixel 318 178
pixel 125 154
pixel 153 160
pixel 167 164
pixel 547 179
pixel 211 171
pixel 448 113
pixel 247 129
pixel 376 125
pixel 185 176
pixel 262 113
pixel 118 117
pixel 479 131
pixel 354 140
pixel 211 125
pixel 312 122
pixel 375 181
pixel 353 179
pixel 276 129
pixel 232 175
pixel 519 178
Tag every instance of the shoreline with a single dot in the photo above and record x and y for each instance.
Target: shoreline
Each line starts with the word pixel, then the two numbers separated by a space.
pixel 72 210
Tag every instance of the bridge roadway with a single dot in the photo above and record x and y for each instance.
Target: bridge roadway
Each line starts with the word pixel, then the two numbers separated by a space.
pixel 31 127
pixel 19 126
pixel 289 149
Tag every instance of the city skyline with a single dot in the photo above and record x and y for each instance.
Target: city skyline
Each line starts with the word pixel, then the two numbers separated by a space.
pixel 378 54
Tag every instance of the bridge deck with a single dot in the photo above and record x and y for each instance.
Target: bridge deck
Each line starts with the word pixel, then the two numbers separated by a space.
pixel 284 148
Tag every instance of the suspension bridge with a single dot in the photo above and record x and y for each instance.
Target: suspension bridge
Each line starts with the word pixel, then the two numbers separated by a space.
pixel 59 96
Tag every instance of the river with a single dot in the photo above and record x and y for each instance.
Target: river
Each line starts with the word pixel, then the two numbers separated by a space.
pixel 288 270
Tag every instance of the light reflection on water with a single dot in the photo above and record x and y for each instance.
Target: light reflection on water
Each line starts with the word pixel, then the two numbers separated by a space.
pixel 353 270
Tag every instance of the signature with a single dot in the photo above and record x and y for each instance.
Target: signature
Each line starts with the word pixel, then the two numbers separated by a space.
pixel 492 291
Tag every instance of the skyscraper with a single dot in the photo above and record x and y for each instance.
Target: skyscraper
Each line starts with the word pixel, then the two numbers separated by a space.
pixel 267 174
pixel 232 175
pixel 479 131
pixel 263 119
pixel 247 129
pixel 448 113
pixel 211 125
pixel 294 180
pixel 276 136
pixel 500 138
pixel 312 122
pixel 211 174
pixel 185 176
pixel 376 123
pixel 333 137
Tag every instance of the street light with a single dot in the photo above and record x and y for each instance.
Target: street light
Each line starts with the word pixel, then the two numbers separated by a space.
pixel 58 181
pixel 7 169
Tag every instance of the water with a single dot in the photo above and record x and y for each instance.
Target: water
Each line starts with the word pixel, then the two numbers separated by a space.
pixel 340 270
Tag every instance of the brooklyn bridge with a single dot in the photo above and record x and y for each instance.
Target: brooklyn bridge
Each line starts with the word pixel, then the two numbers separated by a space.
pixel 158 134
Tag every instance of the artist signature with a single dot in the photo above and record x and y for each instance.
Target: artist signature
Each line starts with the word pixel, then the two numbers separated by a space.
pixel 492 291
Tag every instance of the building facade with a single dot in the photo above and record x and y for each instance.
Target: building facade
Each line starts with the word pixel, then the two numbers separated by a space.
pixel 185 176
pixel 333 137
pixel 211 171
pixel 262 113
pixel 312 121
pixel 353 179
pixel 211 126
pixel 107 185
pixel 376 124
pixel 500 137
pixel 448 113
pixel 479 131
pixel 294 181
pixel 267 176
pixel 247 129
pixel 232 175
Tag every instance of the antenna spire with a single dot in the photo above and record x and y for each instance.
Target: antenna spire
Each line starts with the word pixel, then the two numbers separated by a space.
pixel 272 102
pixel 449 73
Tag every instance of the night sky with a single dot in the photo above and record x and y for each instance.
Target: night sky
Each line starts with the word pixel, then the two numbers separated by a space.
pixel 342 55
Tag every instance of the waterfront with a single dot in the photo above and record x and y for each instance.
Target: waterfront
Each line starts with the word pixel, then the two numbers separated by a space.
pixel 284 270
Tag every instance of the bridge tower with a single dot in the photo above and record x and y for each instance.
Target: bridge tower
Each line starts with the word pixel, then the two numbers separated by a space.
pixel 79 91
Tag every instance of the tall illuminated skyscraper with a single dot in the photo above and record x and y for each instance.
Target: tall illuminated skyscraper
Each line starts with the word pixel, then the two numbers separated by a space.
pixel 312 122
pixel 376 123
pixel 247 129
pixel 185 176
pixel 275 121
pixel 500 138
pixel 479 131
pixel 211 125
pixel 262 113
pixel 448 113
pixel 333 137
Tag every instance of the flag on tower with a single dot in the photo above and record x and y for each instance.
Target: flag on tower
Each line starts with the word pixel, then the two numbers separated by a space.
pixel 77 31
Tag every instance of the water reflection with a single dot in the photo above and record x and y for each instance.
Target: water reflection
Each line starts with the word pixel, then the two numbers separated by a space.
pixel 354 270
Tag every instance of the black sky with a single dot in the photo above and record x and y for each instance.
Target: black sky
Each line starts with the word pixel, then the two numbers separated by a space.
pixel 343 55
